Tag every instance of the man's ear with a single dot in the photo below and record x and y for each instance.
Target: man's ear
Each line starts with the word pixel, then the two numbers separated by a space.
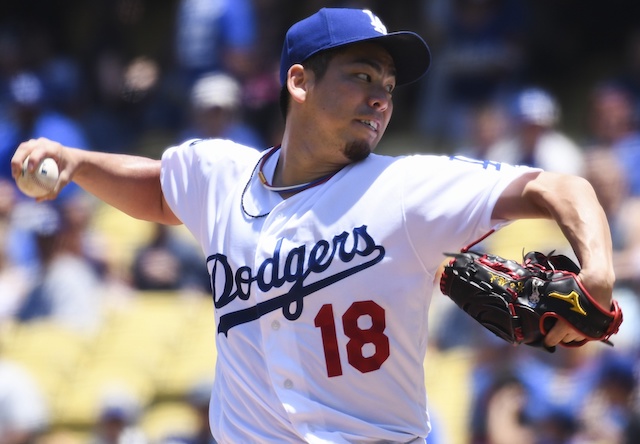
pixel 298 82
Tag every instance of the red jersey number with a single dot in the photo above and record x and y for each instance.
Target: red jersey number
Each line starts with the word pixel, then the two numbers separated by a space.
pixel 359 337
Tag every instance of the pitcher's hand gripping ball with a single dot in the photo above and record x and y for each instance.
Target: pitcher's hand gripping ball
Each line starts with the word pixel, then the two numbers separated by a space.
pixel 41 181
pixel 520 303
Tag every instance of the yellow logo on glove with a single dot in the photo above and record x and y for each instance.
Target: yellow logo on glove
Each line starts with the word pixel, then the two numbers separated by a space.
pixel 572 298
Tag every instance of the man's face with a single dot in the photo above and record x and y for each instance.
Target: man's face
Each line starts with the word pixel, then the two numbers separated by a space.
pixel 352 104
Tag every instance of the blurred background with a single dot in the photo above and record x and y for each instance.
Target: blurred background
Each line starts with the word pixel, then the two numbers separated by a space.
pixel 106 323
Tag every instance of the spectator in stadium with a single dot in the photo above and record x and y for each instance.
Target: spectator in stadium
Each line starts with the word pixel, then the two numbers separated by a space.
pixel 535 140
pixel 68 288
pixel 168 262
pixel 611 414
pixel 217 111
pixel 118 420
pixel 613 125
pixel 30 116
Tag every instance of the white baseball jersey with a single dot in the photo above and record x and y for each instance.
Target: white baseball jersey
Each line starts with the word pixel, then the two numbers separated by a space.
pixel 321 300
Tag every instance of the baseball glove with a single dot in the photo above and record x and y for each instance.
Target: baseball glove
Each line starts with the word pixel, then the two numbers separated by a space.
pixel 520 302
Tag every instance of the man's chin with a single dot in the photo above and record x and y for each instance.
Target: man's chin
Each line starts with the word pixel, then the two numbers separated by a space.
pixel 357 150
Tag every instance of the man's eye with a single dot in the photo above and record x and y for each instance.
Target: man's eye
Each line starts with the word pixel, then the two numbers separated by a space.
pixel 363 76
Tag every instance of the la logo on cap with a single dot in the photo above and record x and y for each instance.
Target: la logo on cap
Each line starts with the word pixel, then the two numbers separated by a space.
pixel 376 22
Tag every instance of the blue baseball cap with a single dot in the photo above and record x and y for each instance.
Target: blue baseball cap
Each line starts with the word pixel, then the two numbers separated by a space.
pixel 333 27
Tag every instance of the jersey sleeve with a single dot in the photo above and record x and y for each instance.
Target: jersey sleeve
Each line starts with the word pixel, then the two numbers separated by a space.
pixel 198 174
pixel 454 197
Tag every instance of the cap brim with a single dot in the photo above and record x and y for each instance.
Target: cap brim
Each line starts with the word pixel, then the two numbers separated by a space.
pixel 410 54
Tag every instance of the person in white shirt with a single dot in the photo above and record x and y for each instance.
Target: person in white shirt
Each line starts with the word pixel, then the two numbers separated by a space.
pixel 535 139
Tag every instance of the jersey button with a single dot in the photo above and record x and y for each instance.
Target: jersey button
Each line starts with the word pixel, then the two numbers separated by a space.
pixel 288 383
pixel 275 325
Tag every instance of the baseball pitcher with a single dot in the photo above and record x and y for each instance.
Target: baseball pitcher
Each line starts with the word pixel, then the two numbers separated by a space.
pixel 323 255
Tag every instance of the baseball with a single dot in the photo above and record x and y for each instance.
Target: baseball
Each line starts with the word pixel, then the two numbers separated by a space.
pixel 42 181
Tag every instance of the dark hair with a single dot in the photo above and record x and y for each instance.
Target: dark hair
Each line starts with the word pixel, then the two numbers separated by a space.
pixel 318 63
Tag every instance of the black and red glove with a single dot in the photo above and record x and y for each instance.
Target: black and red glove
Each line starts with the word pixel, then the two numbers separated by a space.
pixel 520 302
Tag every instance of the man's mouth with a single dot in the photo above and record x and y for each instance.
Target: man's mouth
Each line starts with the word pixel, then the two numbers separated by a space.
pixel 371 124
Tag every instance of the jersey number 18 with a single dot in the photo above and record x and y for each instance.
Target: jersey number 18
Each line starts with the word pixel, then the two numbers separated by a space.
pixel 358 337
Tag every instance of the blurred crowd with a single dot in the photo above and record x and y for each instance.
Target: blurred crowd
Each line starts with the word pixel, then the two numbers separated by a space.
pixel 136 76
